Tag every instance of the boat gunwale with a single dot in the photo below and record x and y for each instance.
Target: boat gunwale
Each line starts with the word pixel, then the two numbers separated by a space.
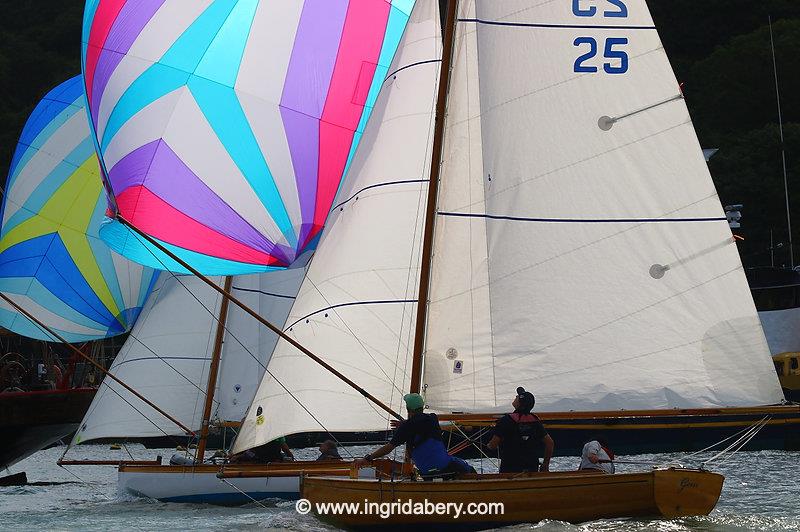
pixel 504 478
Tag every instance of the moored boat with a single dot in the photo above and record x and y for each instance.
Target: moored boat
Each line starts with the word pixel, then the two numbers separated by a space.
pixel 504 499
pixel 32 420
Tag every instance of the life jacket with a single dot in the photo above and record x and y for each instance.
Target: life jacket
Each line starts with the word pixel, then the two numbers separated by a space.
pixel 525 433
pixel 521 449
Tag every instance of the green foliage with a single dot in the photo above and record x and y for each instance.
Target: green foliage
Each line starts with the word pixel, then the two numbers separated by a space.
pixel 734 88
pixel 749 171
pixel 39 48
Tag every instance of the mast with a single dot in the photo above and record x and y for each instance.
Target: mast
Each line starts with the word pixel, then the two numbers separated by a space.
pixel 783 145
pixel 213 370
pixel 433 190
pixel 260 319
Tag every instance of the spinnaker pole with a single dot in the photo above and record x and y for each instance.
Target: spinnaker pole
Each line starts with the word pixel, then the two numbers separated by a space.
pixel 260 319
pixel 77 351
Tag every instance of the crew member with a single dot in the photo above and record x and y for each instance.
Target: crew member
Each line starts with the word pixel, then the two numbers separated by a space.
pixel 328 451
pixel 597 455
pixel 522 438
pixel 423 436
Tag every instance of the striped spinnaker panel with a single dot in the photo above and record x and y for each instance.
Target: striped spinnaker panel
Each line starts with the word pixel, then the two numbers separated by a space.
pixel 52 260
pixel 226 126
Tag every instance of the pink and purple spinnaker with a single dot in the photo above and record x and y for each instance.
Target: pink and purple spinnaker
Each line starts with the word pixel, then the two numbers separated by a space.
pixel 225 126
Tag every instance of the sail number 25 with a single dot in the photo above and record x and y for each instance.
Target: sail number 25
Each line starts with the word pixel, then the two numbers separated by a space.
pixel 617 57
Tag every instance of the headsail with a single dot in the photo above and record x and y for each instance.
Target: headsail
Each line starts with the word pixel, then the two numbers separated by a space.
pixel 581 250
pixel 52 261
pixel 224 126
pixel 357 304
pixel 167 356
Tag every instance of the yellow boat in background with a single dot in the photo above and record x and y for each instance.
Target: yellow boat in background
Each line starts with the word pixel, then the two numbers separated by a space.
pixel 787 365
pixel 575 497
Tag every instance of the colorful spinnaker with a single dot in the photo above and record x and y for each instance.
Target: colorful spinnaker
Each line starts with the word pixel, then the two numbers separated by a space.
pixel 52 260
pixel 225 126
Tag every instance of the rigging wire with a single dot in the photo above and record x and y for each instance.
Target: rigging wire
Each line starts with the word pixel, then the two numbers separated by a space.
pixel 232 335
pixel 118 394
pixel 234 486
pixel 742 441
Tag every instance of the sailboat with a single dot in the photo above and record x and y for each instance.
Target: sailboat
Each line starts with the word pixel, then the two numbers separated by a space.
pixel 53 263
pixel 214 357
pixel 224 129
pixel 574 245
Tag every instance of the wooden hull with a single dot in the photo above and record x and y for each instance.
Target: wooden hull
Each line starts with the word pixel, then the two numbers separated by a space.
pixel 571 496
pixel 657 431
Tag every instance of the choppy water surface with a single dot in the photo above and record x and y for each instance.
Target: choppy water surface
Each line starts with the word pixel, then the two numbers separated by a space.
pixel 762 492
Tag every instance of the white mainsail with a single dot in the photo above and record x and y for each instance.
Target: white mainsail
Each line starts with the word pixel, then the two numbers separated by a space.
pixel 586 259
pixel 168 354
pixel 580 247
pixel 356 307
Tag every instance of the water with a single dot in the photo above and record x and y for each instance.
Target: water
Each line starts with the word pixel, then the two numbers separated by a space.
pixel 762 492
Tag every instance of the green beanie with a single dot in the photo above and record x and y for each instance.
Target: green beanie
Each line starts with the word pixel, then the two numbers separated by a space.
pixel 414 401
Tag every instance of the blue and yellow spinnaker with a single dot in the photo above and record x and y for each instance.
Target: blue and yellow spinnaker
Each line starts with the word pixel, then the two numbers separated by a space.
pixel 52 260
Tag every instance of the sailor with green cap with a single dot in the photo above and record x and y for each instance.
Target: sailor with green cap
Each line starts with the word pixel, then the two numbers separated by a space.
pixel 423 436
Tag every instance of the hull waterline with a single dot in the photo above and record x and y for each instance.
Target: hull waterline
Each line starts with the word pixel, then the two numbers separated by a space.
pixel 242 484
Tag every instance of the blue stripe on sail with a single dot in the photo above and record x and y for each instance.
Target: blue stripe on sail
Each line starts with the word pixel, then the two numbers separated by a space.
pixel 581 220
pixel 120 239
pixel 47 259
pixel 172 71
pixel 225 114
pixel 404 5
pixel 53 104
pixel 147 284
pixel 565 26
pixel 89 11
pixel 21 325
pixel 223 57
pixel 29 145
pixel 59 274
pixel 33 289
pixel 54 180
pixel 154 83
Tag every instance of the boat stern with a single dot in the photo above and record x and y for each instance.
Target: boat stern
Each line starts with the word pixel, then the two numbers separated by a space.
pixel 686 492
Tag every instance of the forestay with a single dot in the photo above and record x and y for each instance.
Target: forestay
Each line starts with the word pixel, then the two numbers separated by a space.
pixel 52 261
pixel 225 126
pixel 168 354
pixel 356 307
pixel 580 247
